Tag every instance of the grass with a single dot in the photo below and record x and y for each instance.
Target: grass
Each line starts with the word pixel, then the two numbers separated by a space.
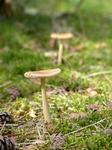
pixel 23 41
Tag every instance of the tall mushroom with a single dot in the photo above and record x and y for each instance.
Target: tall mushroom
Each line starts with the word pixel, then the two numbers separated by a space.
pixel 42 75
pixel 61 37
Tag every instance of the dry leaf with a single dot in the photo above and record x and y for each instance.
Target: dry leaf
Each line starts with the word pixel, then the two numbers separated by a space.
pixel 32 113
pixel 107 132
pixel 100 45
pixel 92 91
pixel 77 115
pixel 75 74
pixel 94 107
pixel 25 110
pixel 109 104
pixel 75 48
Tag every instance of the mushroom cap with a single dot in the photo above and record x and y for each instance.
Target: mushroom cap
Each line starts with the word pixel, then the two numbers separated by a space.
pixel 43 73
pixel 62 36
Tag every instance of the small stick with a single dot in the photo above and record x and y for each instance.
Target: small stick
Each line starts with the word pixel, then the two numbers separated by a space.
pixel 99 73
pixel 8 82
pixel 28 125
pixel 17 125
pixel 3 127
pixel 33 143
pixel 22 117
pixel 7 125
pixel 39 132
pixel 86 126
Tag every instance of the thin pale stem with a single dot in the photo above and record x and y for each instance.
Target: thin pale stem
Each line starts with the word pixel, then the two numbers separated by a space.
pixel 44 102
pixel 60 52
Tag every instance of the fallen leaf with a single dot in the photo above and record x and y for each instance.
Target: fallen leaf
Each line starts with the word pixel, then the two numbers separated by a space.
pixel 25 109
pixel 109 104
pixel 75 74
pixel 92 91
pixel 94 107
pixel 53 43
pixel 77 115
pixel 107 132
pixel 100 45
pixel 32 113
pixel 75 48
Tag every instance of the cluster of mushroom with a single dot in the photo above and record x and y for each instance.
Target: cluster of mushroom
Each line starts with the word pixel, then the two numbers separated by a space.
pixel 43 74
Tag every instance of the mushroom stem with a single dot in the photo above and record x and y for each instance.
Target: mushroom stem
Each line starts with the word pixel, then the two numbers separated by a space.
pixel 44 101
pixel 60 52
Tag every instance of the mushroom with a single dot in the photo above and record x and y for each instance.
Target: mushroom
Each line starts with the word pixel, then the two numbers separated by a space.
pixel 42 75
pixel 61 37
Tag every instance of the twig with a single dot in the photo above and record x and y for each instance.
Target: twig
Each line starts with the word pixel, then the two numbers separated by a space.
pixel 99 73
pixel 28 125
pixel 7 125
pixel 87 126
pixel 33 143
pixel 3 127
pixel 8 82
pixel 17 125
pixel 39 132
pixel 22 117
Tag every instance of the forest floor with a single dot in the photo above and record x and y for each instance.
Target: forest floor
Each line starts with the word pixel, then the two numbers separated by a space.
pixel 80 98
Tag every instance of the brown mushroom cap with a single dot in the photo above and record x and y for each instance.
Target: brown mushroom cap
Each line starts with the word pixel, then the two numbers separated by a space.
pixel 43 73
pixel 62 36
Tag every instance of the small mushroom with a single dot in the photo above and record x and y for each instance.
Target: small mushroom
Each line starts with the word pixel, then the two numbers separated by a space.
pixel 42 75
pixel 61 37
